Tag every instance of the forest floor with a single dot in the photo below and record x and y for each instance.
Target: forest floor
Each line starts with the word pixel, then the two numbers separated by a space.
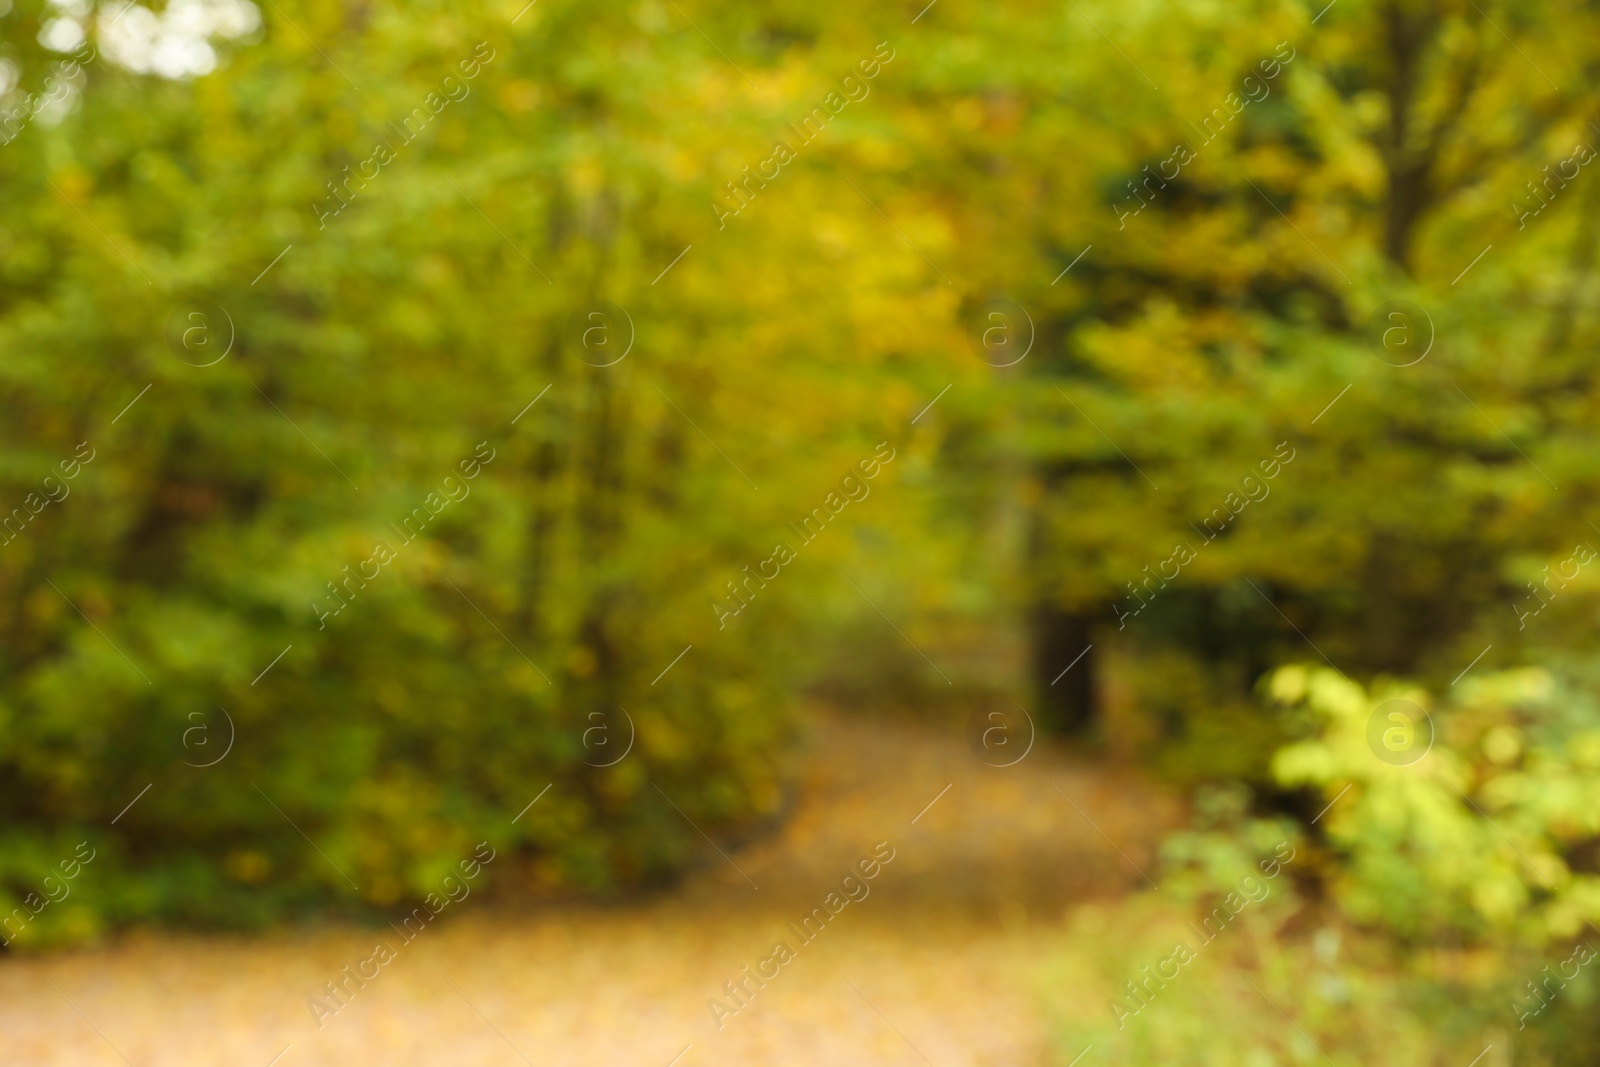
pixel 943 963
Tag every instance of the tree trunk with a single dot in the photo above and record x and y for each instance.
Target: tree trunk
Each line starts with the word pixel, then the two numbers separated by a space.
pixel 1409 164
pixel 1067 703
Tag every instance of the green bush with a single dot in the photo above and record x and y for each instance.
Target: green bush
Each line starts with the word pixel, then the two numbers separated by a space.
pixel 379 356
pixel 1440 897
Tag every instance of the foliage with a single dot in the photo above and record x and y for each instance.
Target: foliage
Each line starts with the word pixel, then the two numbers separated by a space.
pixel 1489 841
pixel 376 351
pixel 1345 995
pixel 1244 305
pixel 1486 836
pixel 1452 882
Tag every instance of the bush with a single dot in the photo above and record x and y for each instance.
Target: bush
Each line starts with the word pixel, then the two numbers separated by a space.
pixel 1431 907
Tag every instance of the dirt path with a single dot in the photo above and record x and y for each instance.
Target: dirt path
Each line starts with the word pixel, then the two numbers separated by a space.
pixel 939 961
